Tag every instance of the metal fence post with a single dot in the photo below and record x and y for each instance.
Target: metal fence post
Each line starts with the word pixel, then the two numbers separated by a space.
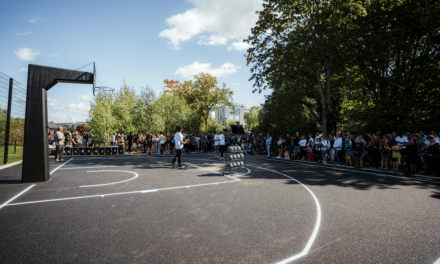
pixel 8 122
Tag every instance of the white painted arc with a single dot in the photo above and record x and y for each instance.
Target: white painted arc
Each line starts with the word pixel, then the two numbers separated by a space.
pixel 317 225
pixel 104 184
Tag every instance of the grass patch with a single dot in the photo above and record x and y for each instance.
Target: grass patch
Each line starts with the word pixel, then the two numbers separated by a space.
pixel 12 157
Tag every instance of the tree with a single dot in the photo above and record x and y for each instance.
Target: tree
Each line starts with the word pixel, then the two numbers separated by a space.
pixel 202 95
pixel 102 123
pixel 123 109
pixel 251 117
pixel 173 112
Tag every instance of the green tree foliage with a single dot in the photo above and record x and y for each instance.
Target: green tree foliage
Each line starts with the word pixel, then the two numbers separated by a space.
pixel 251 118
pixel 370 61
pixel 102 123
pixel 202 95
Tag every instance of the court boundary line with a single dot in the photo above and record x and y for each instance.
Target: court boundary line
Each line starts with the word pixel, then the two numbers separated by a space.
pixel 132 192
pixel 15 197
pixel 104 184
pixel 60 166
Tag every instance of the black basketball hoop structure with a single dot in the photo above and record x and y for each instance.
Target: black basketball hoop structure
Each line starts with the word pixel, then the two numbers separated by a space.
pixel 35 152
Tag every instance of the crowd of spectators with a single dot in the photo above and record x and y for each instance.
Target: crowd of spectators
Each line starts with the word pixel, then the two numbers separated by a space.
pixel 387 152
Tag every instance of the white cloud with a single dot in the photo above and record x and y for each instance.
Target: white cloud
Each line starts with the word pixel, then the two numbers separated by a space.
pixel 105 77
pixel 32 20
pixel 80 110
pixel 240 46
pixel 54 55
pixel 22 34
pixel 26 54
pixel 213 40
pixel 24 69
pixel 229 19
pixel 190 70
pixel 86 97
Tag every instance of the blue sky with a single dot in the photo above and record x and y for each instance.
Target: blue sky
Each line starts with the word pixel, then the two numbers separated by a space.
pixel 143 42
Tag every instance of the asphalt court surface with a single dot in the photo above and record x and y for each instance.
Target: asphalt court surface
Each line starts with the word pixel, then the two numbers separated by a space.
pixel 137 209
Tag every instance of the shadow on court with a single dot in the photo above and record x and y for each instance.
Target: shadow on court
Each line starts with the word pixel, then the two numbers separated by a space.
pixel 351 178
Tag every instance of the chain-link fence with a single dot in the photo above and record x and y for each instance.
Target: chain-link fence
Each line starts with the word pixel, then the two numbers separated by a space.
pixel 12 115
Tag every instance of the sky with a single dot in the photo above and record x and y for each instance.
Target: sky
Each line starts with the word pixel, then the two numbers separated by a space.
pixel 141 42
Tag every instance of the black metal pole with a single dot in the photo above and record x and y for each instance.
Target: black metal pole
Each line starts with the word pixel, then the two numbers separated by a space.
pixel 8 122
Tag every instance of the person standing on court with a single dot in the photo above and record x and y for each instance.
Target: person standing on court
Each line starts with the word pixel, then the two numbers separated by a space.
pixel 59 143
pixel 222 142
pixel 178 141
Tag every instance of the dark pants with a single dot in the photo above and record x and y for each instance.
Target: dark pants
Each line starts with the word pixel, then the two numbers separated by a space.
pixel 178 157
pixel 59 152
pixel 222 149
pixel 130 144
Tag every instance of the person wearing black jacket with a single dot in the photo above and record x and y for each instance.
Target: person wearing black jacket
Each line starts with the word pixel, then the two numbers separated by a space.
pixel 358 152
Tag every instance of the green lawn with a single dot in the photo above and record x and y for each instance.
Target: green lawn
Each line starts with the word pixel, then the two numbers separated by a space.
pixel 12 157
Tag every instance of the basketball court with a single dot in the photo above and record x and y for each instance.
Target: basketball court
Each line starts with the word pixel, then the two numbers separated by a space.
pixel 137 209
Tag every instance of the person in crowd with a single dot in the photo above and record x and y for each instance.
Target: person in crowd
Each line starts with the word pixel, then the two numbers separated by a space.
pixel 268 144
pixel 373 151
pixel 331 150
pixel 129 150
pixel 113 139
pixel 338 148
pixel 325 146
pixel 221 142
pixel 193 143
pixel 310 146
pixel 280 147
pixel 401 141
pixel 203 142
pixel 432 156
pixel 141 141
pixel 359 147
pixel 59 143
pixel 303 147
pixel 149 142
pixel 396 156
pixel 216 142
pixel 385 153
pixel 79 138
pixel 348 150
pixel 296 146
pixel 90 141
pixel 179 143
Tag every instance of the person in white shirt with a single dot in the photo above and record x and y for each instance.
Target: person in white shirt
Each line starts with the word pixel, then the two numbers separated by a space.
pixel 221 143
pixel 216 141
pixel 338 147
pixel 113 140
pixel 325 145
pixel 303 145
pixel 161 143
pixel 178 140
pixel 268 144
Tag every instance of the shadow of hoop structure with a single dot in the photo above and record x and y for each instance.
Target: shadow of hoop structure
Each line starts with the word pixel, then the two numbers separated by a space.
pixel 35 151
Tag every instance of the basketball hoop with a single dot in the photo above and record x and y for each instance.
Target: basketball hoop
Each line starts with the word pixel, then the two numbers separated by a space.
pixel 104 89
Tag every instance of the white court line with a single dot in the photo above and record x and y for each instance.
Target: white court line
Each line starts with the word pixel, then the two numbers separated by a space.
pixel 112 194
pixel 358 171
pixel 113 166
pixel 136 175
pixel 317 225
pixel 15 197
pixel 60 166
pixel 437 262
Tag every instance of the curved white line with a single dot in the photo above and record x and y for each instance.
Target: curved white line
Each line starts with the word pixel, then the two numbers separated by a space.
pixel 437 262
pixel 317 225
pixel 136 175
